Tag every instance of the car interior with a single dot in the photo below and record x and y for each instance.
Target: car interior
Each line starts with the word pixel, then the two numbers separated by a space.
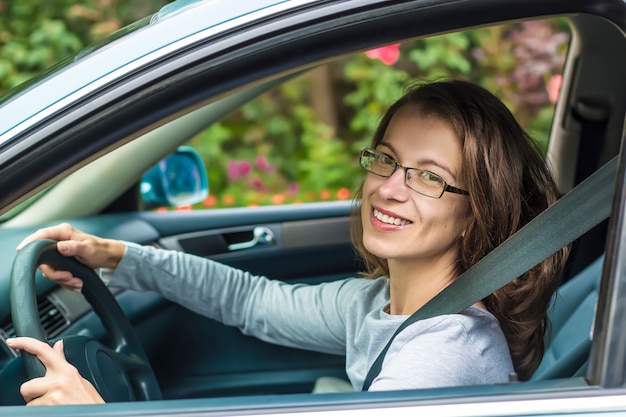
pixel 195 357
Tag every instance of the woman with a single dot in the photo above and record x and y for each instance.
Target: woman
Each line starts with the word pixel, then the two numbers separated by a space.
pixel 451 175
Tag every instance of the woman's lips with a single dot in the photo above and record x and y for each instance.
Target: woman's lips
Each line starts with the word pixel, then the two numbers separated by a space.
pixel 389 218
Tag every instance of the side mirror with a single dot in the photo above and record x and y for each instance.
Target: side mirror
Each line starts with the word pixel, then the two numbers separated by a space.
pixel 177 180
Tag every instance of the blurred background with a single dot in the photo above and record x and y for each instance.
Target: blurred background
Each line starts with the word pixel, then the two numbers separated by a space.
pixel 249 155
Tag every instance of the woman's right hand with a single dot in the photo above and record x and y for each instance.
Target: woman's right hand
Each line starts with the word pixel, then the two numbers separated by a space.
pixel 93 251
pixel 62 383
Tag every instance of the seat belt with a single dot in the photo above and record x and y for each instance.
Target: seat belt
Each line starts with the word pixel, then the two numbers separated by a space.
pixel 570 217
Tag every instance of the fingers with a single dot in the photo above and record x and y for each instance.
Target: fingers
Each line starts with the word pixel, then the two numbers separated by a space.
pixel 73 284
pixel 70 241
pixel 62 383
pixel 62 389
pixel 43 391
pixel 37 387
pixel 65 234
pixel 93 251
pixel 74 247
pixel 58 348
pixel 62 231
pixel 50 358
pixel 33 389
pixel 63 278
pixel 54 274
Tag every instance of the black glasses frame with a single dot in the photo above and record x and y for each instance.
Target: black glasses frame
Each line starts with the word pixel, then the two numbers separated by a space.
pixel 368 153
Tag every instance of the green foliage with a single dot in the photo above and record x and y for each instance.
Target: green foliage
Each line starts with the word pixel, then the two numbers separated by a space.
pixel 33 36
pixel 282 126
pixel 250 155
pixel 376 87
pixel 36 34
pixel 300 141
pixel 444 58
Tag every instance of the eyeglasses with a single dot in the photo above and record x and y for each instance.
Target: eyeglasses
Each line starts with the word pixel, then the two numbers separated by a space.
pixel 418 180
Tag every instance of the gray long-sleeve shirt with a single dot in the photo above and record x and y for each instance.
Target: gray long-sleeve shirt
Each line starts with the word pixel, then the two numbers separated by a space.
pixel 340 317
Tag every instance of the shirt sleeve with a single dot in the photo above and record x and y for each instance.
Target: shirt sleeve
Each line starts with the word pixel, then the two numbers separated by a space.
pixel 297 315
pixel 445 351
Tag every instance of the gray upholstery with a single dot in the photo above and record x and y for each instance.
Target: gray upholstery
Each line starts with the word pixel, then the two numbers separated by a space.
pixel 572 315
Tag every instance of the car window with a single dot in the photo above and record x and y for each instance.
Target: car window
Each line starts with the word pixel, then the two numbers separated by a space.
pixel 268 152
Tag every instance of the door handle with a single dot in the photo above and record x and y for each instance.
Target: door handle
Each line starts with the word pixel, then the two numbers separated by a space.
pixel 260 236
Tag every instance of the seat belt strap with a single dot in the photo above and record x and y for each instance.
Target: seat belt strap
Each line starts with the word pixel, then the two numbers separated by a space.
pixel 570 217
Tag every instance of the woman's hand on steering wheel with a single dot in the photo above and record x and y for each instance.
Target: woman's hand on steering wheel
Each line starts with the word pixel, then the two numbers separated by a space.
pixel 93 251
pixel 62 384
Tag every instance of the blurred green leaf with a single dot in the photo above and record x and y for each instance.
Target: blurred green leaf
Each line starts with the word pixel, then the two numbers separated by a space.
pixel 301 140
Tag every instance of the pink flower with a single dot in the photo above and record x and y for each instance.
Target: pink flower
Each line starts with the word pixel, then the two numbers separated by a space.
pixel 257 184
pixel 263 164
pixel 293 188
pixel 388 55
pixel 233 170
pixel 238 169
pixel 553 87
pixel 244 168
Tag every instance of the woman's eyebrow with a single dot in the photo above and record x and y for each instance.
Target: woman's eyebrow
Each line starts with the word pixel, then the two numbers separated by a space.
pixel 437 164
pixel 425 161
pixel 387 145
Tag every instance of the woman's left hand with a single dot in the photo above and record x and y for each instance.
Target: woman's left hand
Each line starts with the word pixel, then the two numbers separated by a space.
pixel 62 383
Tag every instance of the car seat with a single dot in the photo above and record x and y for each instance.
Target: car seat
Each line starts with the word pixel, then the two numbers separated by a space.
pixel 572 314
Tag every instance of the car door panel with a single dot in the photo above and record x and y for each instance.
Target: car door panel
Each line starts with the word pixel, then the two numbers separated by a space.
pixel 292 255
pixel 219 360
pixel 194 356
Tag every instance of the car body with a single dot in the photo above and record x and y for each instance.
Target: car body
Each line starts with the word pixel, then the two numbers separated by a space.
pixel 74 142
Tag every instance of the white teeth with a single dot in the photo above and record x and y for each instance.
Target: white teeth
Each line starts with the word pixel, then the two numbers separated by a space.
pixel 390 220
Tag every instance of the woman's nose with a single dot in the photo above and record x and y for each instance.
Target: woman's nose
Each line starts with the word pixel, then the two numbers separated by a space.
pixel 394 187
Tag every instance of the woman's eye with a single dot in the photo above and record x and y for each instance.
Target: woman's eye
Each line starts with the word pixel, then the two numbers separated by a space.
pixel 429 176
pixel 384 159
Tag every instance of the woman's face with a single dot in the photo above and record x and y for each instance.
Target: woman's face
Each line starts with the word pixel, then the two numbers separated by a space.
pixel 428 229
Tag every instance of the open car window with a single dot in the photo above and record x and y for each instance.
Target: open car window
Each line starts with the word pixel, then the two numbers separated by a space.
pixel 299 142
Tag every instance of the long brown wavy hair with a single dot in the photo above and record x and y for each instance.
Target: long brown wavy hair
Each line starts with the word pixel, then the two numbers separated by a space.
pixel 509 183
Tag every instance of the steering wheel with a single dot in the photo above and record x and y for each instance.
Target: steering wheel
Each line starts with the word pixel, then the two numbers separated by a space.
pixel 120 372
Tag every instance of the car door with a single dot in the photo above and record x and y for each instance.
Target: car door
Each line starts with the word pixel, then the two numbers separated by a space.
pixel 203 358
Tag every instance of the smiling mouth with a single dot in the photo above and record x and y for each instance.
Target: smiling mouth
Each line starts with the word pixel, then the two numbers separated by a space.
pixel 390 220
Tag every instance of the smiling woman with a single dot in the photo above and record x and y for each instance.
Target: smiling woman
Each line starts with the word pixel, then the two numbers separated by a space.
pixel 422 241
pixel 417 239
pixel 239 308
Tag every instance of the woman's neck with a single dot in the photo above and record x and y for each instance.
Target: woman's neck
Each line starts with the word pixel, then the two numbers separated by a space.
pixel 412 284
